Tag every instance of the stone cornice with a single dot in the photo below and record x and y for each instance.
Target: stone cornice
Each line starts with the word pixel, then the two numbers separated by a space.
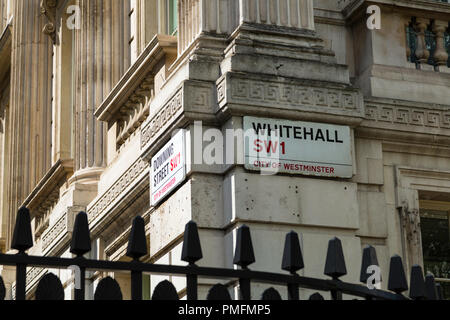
pixel 122 188
pixel 5 51
pixel 155 51
pixel 310 100
pixel 44 191
pixel 412 7
pixel 420 8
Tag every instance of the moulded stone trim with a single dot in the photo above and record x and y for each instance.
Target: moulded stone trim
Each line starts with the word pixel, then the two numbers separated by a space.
pixel 192 96
pixel 413 116
pixel 159 120
pixel 100 206
pixel 232 89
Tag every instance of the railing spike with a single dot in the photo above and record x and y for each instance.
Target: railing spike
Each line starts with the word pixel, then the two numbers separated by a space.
pixel 22 237
pixel 397 278
pixel 292 256
pixel 335 263
pixel 430 287
pixel 192 249
pixel 218 292
pixel 137 243
pixel 108 289
pixel 316 297
pixel 49 289
pixel 369 258
pixel 244 255
pixel 417 283
pixel 271 295
pixel 81 239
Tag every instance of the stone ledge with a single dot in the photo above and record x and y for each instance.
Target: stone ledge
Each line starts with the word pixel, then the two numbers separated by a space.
pixel 238 92
pixel 123 188
pixel 406 116
pixel 43 195
pixel 146 62
pixel 353 8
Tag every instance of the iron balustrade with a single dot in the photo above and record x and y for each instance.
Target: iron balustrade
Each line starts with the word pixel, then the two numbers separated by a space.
pixel 50 287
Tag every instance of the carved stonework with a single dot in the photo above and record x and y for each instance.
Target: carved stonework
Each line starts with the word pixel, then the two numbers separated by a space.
pixel 159 121
pixel 411 224
pixel 48 8
pixel 408 115
pixel 289 95
pixel 135 111
pixel 109 197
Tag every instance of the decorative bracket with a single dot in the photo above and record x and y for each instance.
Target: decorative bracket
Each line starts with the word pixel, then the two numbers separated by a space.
pixel 48 7
pixel 411 223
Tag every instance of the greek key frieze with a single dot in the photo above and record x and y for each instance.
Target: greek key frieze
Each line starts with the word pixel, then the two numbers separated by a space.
pixel 162 118
pixel 249 91
pixel 116 189
pixel 408 116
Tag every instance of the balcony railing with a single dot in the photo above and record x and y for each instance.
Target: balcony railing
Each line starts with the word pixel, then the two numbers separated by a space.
pixel 428 42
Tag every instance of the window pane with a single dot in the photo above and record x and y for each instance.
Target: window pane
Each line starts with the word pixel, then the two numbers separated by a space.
pixel 173 16
pixel 436 245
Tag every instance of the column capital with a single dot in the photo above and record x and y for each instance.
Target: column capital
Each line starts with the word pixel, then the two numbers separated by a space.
pixel 48 8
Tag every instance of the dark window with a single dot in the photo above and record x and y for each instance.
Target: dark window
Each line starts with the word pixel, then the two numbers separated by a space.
pixel 436 245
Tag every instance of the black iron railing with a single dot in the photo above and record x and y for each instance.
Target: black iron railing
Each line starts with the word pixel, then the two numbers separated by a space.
pixel 50 287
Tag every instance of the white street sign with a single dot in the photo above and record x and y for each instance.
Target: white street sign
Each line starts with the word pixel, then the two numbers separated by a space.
pixel 168 168
pixel 295 147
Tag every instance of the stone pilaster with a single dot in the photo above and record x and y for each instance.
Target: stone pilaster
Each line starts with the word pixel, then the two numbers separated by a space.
pixel 29 126
pixel 101 60
pixel 287 13
pixel 223 17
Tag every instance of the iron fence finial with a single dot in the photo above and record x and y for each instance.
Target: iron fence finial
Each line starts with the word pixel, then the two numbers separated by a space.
pixel 81 239
pixel 22 237
pixel 397 278
pixel 137 243
pixel 417 283
pixel 192 249
pixel 292 255
pixel 430 287
pixel 369 258
pixel 244 254
pixel 335 262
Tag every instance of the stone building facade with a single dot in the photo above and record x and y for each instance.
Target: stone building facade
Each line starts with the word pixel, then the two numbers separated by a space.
pixel 91 90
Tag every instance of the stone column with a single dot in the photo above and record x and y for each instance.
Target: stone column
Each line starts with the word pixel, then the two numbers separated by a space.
pixel 102 56
pixel 287 13
pixel 29 126
pixel 222 17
